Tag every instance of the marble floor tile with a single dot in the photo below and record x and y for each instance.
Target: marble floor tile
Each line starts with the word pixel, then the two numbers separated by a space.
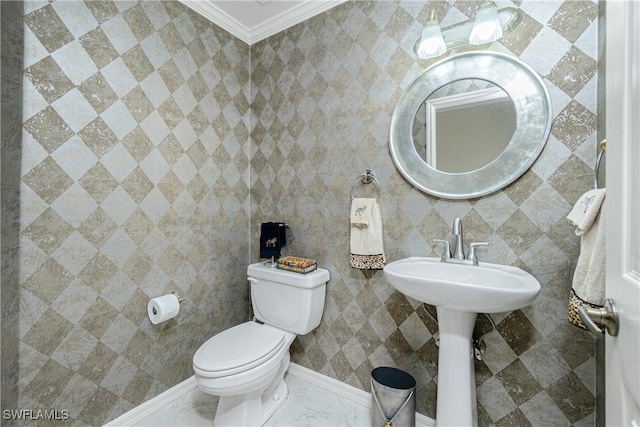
pixel 311 406
pixel 308 405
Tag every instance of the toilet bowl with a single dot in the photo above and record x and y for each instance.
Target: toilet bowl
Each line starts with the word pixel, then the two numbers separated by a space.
pixel 245 365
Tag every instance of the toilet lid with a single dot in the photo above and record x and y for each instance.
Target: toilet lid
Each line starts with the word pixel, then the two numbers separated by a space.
pixel 238 349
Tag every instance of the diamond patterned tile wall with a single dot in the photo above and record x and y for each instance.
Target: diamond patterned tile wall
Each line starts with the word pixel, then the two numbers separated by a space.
pixel 322 96
pixel 135 177
pixel 134 183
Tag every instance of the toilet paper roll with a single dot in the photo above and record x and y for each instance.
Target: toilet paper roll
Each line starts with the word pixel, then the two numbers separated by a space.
pixel 163 308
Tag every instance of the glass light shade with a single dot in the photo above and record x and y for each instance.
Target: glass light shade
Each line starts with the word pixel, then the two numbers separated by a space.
pixel 432 43
pixel 486 27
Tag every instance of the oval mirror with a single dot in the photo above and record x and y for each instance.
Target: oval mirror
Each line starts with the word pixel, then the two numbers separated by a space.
pixel 470 125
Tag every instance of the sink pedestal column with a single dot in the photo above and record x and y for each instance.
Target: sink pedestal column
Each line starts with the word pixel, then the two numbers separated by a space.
pixel 456 403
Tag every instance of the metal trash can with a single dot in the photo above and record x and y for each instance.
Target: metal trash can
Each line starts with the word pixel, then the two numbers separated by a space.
pixel 393 398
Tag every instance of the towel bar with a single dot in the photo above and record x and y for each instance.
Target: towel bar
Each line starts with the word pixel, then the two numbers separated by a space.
pixel 367 177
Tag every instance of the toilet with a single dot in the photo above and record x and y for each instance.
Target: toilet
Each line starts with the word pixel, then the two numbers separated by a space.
pixel 245 365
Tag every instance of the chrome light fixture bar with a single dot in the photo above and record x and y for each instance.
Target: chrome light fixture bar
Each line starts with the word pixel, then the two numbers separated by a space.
pixel 458 35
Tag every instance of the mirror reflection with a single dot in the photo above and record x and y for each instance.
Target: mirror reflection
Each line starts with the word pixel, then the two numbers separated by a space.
pixel 463 126
pixel 522 102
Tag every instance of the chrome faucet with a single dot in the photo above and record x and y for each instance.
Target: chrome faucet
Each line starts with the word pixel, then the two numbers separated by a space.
pixel 458 256
pixel 457 232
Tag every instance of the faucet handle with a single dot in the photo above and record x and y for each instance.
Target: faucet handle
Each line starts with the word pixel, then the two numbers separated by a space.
pixel 472 251
pixel 446 254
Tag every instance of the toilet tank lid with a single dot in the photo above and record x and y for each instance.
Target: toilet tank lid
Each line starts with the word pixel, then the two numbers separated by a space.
pixel 238 348
pixel 310 280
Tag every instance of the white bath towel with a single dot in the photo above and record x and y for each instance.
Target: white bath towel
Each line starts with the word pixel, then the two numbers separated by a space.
pixel 361 209
pixel 367 249
pixel 588 215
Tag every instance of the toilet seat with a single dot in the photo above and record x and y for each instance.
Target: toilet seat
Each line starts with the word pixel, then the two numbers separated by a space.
pixel 238 349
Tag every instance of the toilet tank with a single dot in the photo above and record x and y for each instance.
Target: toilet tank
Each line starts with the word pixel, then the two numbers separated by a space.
pixel 290 301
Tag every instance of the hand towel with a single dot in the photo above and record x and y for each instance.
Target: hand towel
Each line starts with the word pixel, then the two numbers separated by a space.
pixel 367 250
pixel 586 209
pixel 272 239
pixel 588 287
pixel 361 209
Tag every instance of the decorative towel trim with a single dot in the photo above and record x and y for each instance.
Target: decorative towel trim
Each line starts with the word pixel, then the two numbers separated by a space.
pixel 367 262
pixel 574 303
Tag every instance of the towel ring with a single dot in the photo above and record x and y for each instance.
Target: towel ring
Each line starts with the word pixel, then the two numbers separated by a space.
pixel 367 177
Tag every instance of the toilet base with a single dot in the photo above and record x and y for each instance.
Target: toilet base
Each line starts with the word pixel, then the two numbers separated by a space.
pixel 271 404
pixel 251 409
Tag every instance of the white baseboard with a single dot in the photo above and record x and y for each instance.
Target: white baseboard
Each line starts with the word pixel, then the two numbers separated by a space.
pixel 140 412
pixel 330 384
pixel 345 390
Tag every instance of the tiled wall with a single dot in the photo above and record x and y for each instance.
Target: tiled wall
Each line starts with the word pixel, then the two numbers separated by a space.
pixel 134 182
pixel 10 126
pixel 323 93
pixel 133 166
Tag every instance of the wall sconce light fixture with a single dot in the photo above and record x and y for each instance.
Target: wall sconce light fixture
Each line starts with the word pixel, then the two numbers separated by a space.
pixel 489 25
pixel 486 27
pixel 431 44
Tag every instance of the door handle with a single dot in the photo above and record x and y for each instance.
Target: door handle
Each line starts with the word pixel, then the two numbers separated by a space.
pixel 606 316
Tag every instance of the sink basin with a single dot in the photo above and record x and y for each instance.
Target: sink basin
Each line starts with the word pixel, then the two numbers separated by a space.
pixel 459 293
pixel 485 288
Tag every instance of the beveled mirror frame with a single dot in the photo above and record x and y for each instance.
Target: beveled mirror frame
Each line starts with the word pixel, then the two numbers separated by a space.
pixel 532 105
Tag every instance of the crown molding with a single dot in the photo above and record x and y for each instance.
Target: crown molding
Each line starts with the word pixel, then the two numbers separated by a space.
pixel 297 14
pixel 220 18
pixel 300 12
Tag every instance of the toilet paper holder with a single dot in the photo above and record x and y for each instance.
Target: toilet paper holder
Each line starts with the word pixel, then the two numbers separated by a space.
pixel 180 300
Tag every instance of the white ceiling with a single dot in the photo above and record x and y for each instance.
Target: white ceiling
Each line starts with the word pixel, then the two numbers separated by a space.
pixel 255 20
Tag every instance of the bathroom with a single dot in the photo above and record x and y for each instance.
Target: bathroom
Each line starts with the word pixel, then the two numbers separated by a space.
pixel 143 146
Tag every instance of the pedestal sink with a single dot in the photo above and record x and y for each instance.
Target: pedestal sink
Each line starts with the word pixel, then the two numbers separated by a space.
pixel 459 293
